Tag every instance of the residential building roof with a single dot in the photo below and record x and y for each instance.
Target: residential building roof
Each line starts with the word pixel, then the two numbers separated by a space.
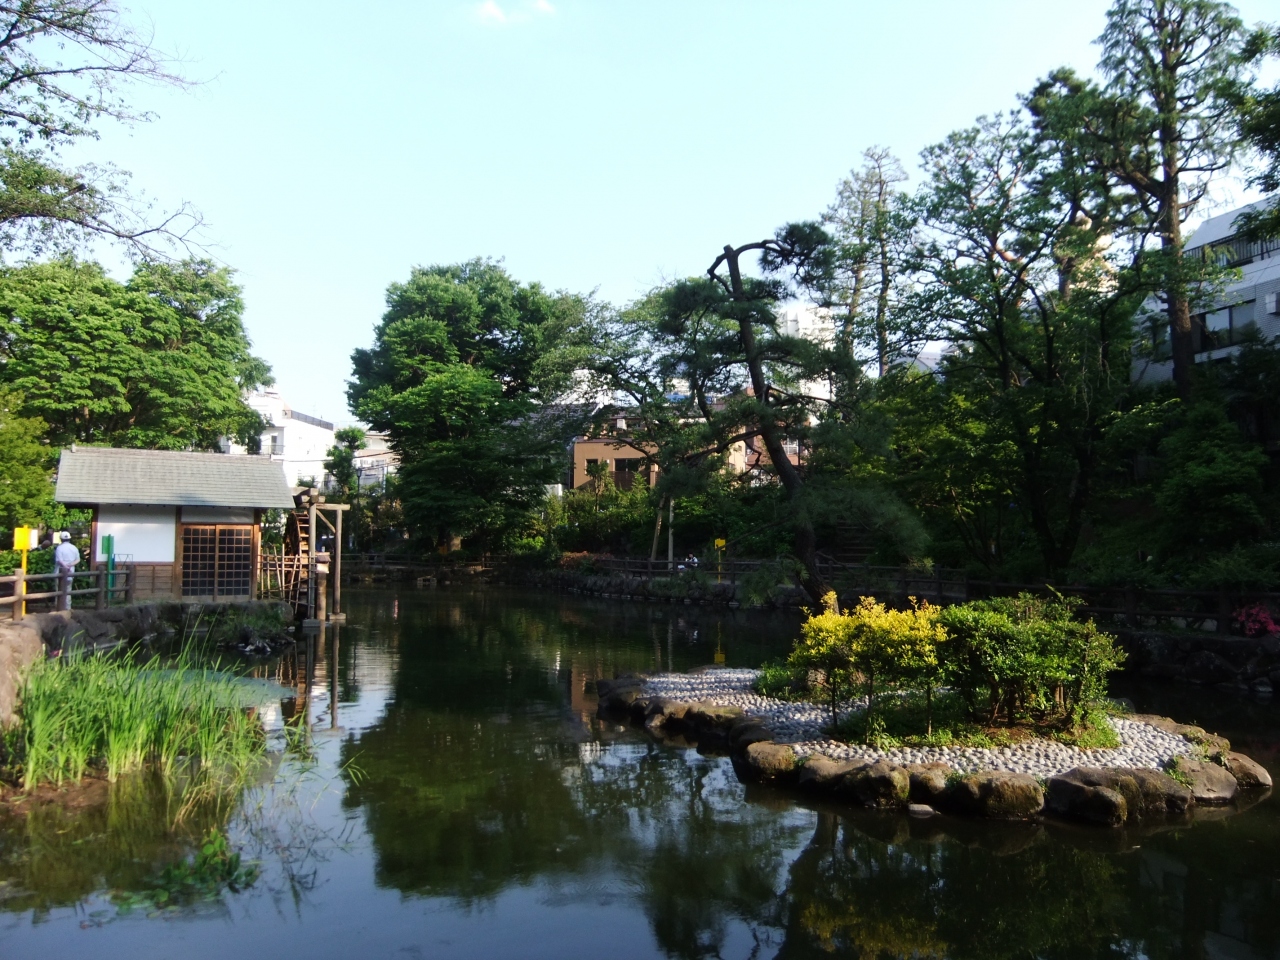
pixel 1219 228
pixel 170 478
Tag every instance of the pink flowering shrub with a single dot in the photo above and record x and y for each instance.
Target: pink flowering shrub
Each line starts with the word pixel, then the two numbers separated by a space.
pixel 1256 620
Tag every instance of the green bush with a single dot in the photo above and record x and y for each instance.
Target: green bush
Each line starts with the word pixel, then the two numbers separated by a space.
pixel 782 681
pixel 1009 660
pixel 1027 658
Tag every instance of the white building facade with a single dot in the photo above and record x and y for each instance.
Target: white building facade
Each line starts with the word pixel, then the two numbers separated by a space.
pixel 1243 307
pixel 299 442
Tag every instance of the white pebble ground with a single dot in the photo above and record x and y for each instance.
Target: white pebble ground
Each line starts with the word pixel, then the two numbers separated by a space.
pixel 801 724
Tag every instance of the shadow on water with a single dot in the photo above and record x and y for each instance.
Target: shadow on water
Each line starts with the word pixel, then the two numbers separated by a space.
pixel 488 812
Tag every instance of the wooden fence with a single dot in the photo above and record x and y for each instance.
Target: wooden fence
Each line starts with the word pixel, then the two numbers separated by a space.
pixel 283 576
pixel 1130 606
pixel 105 588
pixel 1127 605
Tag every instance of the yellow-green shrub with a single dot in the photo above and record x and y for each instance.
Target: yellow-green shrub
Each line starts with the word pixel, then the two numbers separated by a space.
pixel 873 644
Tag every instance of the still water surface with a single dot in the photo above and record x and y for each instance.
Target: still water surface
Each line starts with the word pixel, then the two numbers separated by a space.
pixel 459 798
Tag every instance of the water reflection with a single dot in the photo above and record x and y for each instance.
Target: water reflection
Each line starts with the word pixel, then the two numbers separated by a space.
pixel 462 799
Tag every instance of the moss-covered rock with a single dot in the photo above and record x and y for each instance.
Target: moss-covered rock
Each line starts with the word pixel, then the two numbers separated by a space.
pixel 996 795
pixel 879 784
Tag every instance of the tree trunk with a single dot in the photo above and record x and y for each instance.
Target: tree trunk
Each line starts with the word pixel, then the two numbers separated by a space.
pixel 657 530
pixel 1177 301
pixel 805 539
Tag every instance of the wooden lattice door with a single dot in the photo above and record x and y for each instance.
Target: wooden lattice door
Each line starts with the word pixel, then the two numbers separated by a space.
pixel 217 561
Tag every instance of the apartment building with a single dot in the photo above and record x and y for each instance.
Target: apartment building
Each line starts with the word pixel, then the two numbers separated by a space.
pixel 298 441
pixel 1249 304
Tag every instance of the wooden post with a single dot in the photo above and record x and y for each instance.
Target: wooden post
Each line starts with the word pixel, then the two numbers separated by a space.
pixel 337 568
pixel 101 597
pixel 311 556
pixel 130 579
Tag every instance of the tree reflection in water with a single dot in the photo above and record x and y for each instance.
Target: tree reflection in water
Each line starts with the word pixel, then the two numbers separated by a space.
pixel 467 770
pixel 486 771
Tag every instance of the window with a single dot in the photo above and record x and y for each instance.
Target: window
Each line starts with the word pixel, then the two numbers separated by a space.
pixel 217 560
pixel 1225 326
pixel 625 470
pixel 1160 347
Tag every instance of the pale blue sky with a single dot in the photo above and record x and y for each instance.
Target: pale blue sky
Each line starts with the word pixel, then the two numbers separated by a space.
pixel 590 143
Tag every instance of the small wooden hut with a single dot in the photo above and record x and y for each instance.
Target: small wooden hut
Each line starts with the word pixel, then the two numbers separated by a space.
pixel 188 523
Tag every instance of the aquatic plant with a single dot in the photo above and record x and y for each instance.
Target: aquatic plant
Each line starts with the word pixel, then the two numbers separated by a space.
pixel 116 715
pixel 215 868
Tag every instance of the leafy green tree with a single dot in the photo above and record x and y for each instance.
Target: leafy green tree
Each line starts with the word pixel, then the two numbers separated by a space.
pixel 466 375
pixel 1037 310
pixel 63 66
pixel 1260 130
pixel 1161 129
pixel 161 362
pixel 24 464
pixel 1211 497
pixel 872 230
pixel 341 464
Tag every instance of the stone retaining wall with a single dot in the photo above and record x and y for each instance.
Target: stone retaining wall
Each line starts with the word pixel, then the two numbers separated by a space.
pixel 1242 664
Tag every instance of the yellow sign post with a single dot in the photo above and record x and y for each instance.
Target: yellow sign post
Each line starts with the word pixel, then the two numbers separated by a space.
pixel 720 545
pixel 24 539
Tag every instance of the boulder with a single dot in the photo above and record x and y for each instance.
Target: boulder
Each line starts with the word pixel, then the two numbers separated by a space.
pixel 20 646
pixel 823 773
pixel 708 717
pixel 928 781
pixel 1209 782
pixel 766 763
pixel 997 795
pixel 1249 774
pixel 1067 796
pixel 879 784
pixel 661 709
pixel 1161 794
pixel 920 810
pixel 748 730
pixel 1209 667
pixel 1114 795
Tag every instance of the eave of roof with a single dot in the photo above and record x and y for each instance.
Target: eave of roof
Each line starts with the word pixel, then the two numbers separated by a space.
pixel 107 475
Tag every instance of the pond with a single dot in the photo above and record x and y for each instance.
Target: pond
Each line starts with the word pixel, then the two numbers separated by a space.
pixel 459 798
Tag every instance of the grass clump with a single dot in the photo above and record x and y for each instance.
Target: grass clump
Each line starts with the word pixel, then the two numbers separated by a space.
pixel 782 681
pixel 114 715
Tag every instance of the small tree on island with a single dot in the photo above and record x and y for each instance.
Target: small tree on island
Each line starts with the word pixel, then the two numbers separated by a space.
pixel 1008 660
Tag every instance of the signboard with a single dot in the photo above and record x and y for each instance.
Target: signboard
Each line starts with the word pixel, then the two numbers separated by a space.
pixel 26 538
pixel 720 543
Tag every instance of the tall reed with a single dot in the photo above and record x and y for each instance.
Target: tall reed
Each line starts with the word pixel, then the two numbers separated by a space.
pixel 116 715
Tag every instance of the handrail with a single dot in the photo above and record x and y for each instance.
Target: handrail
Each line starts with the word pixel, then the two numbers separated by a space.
pixel 107 587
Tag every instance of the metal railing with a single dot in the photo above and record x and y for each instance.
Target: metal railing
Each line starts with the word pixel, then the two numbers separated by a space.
pixel 105 587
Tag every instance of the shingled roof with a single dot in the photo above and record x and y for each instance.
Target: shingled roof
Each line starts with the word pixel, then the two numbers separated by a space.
pixel 164 477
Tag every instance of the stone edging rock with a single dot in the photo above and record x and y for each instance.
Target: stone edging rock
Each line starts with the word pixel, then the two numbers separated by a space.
pixel 1109 796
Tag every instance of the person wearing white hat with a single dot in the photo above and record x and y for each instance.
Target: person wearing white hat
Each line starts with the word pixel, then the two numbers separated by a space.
pixel 65 557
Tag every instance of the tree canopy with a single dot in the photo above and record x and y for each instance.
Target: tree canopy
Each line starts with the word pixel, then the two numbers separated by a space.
pixel 160 362
pixel 466 375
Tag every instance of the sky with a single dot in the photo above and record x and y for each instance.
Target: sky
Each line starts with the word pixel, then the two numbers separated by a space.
pixel 591 145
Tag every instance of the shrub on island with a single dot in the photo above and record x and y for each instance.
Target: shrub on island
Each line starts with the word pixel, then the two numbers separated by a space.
pixel 999 664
